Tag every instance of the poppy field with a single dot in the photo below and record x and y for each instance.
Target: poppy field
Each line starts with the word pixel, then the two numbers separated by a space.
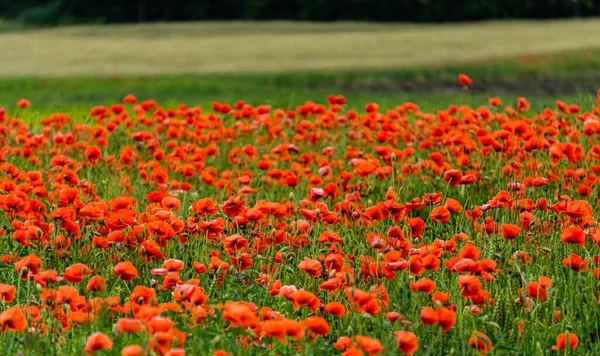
pixel 324 228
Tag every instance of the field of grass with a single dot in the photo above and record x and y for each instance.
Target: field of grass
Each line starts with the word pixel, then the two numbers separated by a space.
pixel 275 47
pixel 287 63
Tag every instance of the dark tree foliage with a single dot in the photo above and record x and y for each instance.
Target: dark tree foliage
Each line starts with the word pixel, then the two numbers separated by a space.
pixel 116 11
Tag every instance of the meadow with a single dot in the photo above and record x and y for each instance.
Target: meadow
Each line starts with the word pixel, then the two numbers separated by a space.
pixel 281 188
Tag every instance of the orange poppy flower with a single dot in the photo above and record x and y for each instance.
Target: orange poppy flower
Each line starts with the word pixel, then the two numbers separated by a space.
pixel 7 293
pixel 440 214
pixel 573 235
pixel 370 345
pixel 312 267
pixel 424 285
pixel 28 266
pixel 13 319
pixel 317 326
pixel 92 154
pixel 125 270
pixel 453 177
pixel 335 308
pixel 304 298
pixel 133 350
pixel 469 285
pixel 406 342
pixel 510 232
pixel 342 343
pixel 96 284
pixel 480 342
pixel 464 80
pixel 76 272
pixel 239 314
pixel 23 103
pixel 96 342
pixel 561 342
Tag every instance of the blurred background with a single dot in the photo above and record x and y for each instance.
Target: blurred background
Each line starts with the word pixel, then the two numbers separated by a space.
pixel 61 53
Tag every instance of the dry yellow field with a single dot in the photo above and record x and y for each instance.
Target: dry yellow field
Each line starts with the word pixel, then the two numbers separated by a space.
pixel 246 47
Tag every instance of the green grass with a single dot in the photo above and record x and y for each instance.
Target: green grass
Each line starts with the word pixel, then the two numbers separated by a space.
pixel 82 66
pixel 281 47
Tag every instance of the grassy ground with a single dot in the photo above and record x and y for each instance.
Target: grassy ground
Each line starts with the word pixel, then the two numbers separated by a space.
pixel 279 46
pixel 287 63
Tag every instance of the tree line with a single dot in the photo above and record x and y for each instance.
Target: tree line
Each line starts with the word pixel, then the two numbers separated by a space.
pixel 55 12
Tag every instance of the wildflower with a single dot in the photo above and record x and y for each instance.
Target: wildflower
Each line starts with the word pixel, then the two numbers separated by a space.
pixel 464 80
pixel 406 342
pixel 561 342
pixel 96 342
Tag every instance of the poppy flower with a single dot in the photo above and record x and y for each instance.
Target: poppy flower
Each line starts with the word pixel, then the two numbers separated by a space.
pixel 576 262
pixel 353 351
pixel 469 285
pixel 312 267
pixel 453 177
pixel 510 232
pixel 428 316
pixel 480 342
pixel 125 270
pixel 76 272
pixel 464 80
pixel 13 319
pixel 239 314
pixel 28 266
pixel 424 285
pixel 92 154
pixel 133 350
pixel 308 299
pixel 317 326
pixel 96 284
pixel 573 235
pixel 7 293
pixel 446 318
pixel 370 345
pixel 221 353
pixel 97 342
pixel 342 343
pixel 23 103
pixel 440 214
pixel 406 342
pixel 335 308
pixel 561 342
pixel 132 326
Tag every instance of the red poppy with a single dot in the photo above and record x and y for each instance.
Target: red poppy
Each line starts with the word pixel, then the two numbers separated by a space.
pixel 13 319
pixel 97 342
pixel 561 342
pixel 480 342
pixel 406 342
pixel 464 80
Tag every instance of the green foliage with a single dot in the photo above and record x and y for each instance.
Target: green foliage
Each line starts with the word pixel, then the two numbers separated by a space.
pixel 115 11
pixel 43 14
